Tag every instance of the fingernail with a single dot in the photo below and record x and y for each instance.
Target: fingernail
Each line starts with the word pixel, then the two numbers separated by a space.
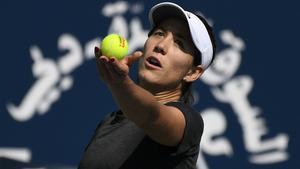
pixel 112 59
pixel 102 59
pixel 96 49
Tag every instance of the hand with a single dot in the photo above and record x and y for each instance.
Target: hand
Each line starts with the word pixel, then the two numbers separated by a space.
pixel 111 70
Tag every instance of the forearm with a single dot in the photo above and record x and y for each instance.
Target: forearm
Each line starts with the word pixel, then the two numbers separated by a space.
pixel 137 104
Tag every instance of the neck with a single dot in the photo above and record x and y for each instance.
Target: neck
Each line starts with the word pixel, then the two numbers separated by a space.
pixel 169 95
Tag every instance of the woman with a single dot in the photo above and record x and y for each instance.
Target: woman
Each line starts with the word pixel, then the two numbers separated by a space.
pixel 155 126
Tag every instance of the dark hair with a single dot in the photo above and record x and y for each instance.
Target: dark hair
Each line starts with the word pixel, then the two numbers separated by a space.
pixel 186 90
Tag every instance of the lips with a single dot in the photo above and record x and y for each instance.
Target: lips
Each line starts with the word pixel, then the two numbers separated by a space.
pixel 153 62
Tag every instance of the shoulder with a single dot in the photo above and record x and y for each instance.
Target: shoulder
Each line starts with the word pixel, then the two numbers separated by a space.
pixel 194 125
pixel 190 114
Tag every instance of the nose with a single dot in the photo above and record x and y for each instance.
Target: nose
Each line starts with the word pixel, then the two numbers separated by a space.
pixel 163 44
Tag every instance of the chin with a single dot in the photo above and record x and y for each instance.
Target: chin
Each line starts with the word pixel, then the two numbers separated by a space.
pixel 147 81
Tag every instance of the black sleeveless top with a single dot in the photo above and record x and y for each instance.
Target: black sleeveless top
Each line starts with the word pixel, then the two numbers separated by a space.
pixel 119 144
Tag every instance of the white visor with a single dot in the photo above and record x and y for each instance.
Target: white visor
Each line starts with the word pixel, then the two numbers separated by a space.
pixel 197 28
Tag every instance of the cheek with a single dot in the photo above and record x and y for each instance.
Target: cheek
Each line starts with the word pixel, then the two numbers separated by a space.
pixel 177 70
pixel 147 45
pixel 180 64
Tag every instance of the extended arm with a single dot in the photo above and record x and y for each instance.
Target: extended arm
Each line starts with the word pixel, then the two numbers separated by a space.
pixel 164 124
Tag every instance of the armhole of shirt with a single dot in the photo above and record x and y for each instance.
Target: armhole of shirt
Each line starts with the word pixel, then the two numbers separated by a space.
pixel 193 128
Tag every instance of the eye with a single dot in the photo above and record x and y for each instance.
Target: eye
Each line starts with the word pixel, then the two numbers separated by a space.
pixel 158 33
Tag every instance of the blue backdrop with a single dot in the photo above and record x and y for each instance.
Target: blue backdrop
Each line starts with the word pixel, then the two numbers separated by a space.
pixel 51 98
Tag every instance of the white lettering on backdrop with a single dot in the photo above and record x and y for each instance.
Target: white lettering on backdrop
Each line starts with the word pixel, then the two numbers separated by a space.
pixel 55 77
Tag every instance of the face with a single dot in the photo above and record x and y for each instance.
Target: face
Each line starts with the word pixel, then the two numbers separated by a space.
pixel 168 56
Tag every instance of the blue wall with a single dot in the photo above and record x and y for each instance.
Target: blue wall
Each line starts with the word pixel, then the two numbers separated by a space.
pixel 51 98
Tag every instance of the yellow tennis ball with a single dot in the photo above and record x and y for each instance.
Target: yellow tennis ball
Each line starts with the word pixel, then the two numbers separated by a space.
pixel 114 45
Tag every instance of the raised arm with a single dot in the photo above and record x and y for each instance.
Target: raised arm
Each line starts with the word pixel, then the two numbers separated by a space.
pixel 164 124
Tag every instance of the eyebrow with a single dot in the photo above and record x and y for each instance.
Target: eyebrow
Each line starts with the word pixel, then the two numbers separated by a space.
pixel 177 34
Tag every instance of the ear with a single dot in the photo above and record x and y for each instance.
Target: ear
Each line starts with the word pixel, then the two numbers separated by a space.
pixel 194 73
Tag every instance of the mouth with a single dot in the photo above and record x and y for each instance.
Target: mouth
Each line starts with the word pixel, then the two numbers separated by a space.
pixel 153 62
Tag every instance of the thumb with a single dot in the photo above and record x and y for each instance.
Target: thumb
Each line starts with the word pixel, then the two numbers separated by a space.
pixel 134 57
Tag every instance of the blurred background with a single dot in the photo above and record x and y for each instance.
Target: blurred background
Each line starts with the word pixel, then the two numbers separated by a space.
pixel 51 98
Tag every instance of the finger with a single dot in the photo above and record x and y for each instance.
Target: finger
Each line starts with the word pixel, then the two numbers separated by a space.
pixel 101 59
pixel 102 71
pixel 104 59
pixel 119 67
pixel 98 62
pixel 110 73
pixel 115 72
pixel 134 57
pixel 102 68
pixel 97 52
pixel 115 69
